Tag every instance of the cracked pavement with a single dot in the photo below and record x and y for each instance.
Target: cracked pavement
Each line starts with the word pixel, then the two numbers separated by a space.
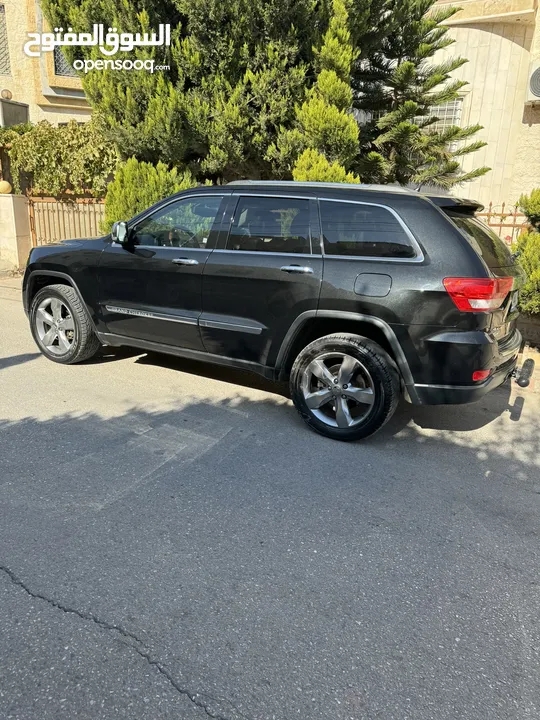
pixel 175 544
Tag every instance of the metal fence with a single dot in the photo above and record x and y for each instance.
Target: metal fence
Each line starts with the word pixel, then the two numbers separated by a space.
pixel 505 220
pixel 53 219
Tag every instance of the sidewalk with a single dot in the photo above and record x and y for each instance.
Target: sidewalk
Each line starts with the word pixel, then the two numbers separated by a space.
pixel 10 282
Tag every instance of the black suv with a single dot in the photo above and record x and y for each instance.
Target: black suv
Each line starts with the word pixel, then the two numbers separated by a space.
pixel 354 293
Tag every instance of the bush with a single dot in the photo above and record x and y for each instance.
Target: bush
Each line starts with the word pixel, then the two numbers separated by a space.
pixel 55 160
pixel 138 185
pixel 528 247
pixel 314 167
pixel 530 206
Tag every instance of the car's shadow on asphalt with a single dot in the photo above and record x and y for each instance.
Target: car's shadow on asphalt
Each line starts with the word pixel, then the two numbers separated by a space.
pixel 221 373
pixel 460 418
pixel 457 418
pixel 13 360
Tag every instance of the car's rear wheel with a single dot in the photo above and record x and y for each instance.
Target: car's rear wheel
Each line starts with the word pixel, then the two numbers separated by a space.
pixel 345 386
pixel 61 326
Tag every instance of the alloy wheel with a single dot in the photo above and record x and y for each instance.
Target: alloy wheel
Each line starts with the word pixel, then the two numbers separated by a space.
pixel 55 326
pixel 338 389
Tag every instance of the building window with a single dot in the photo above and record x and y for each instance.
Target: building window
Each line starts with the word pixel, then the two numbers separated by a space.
pixel 61 65
pixel 449 114
pixel 5 67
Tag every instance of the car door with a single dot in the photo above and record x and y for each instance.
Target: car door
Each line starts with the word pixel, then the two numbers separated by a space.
pixel 151 290
pixel 262 276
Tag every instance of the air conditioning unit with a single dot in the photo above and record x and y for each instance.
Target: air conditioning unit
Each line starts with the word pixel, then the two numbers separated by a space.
pixel 533 90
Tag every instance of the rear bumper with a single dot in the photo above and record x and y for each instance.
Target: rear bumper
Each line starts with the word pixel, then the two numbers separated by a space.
pixel 504 363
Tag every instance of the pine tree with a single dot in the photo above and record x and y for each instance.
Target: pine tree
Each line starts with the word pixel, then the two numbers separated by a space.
pixel 399 85
pixel 137 186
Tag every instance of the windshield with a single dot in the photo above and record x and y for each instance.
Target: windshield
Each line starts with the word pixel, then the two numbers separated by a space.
pixel 488 245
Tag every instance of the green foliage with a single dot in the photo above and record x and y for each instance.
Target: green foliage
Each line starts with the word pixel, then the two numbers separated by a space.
pixel 8 134
pixel 72 158
pixel 312 166
pixel 399 86
pixel 138 185
pixel 237 70
pixel 253 85
pixel 324 124
pixel 530 206
pixel 528 248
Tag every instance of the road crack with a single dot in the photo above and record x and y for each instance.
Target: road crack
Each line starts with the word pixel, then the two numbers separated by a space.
pixel 126 635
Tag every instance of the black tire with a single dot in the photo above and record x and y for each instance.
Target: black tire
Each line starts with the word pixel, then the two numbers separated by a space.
pixel 84 342
pixel 376 375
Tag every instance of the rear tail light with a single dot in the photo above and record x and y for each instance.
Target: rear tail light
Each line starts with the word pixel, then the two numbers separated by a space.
pixel 478 294
pixel 479 375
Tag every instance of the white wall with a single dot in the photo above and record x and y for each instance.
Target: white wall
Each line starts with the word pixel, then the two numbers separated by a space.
pixel 498 68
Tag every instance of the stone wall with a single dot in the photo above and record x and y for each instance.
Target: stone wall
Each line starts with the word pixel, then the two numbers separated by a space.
pixel 15 239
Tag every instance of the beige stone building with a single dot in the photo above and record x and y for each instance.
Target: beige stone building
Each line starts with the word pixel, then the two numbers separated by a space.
pixel 47 86
pixel 501 40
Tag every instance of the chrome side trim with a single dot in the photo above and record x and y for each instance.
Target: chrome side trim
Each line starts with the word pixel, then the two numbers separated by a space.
pixel 155 316
pixel 264 253
pixel 265 193
pixel 419 258
pixel 230 326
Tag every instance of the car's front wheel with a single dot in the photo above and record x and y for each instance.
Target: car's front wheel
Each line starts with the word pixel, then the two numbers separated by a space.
pixel 61 326
pixel 345 386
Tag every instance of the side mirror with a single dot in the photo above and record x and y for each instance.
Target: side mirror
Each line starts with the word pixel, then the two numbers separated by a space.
pixel 119 233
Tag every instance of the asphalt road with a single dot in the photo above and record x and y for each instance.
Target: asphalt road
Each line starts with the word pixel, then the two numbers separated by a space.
pixel 174 543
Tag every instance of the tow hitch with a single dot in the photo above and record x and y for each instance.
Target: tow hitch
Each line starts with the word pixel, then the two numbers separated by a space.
pixel 524 374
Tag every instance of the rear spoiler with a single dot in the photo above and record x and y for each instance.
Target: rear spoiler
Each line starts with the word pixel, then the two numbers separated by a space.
pixel 458 205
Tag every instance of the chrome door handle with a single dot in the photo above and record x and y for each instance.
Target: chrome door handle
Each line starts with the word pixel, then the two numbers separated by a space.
pixel 299 269
pixel 185 261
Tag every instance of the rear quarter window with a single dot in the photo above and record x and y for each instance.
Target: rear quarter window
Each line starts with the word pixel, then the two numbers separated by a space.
pixel 494 251
pixel 363 230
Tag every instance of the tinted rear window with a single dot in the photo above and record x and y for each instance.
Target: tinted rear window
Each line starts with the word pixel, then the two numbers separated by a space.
pixel 494 251
pixel 363 230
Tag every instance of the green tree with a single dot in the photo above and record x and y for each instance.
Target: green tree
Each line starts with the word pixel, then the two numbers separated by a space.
pixel 398 85
pixel 138 185
pixel 254 84
pixel 528 249
pixel 237 70
pixel 324 142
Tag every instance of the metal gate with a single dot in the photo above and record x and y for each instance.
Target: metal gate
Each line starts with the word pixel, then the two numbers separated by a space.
pixel 54 219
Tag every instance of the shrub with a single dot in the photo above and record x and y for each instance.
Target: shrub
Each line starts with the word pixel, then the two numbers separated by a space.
pixel 314 167
pixel 528 247
pixel 530 206
pixel 138 185
pixel 54 160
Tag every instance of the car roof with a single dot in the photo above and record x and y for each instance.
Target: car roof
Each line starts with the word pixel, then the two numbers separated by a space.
pixel 439 198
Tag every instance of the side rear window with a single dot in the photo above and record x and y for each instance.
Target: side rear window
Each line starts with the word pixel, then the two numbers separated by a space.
pixel 490 247
pixel 271 224
pixel 363 230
